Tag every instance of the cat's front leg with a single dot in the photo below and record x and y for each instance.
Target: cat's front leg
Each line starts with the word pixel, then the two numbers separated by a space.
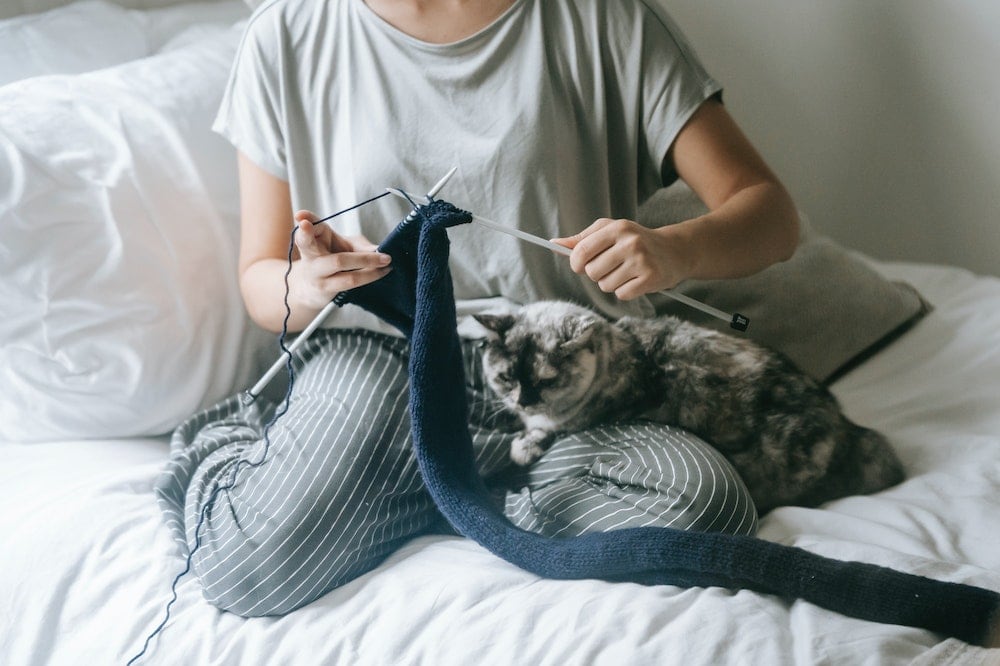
pixel 530 445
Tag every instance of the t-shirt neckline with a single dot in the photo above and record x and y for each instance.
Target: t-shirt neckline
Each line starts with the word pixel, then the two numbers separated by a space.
pixel 462 44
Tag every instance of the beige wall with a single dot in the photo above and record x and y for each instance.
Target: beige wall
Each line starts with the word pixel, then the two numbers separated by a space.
pixel 881 116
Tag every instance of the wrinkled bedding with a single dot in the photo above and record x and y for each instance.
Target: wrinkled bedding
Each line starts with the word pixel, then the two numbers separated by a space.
pixel 87 562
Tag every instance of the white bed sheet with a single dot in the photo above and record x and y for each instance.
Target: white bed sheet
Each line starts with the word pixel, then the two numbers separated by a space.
pixel 85 562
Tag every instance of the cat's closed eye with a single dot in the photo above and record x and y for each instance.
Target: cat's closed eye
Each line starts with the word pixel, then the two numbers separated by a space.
pixel 546 382
pixel 504 377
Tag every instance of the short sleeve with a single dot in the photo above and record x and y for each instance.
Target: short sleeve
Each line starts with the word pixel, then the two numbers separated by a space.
pixel 251 115
pixel 673 84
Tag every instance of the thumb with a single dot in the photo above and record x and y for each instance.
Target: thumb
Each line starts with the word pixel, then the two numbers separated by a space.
pixel 568 241
pixel 572 241
pixel 306 239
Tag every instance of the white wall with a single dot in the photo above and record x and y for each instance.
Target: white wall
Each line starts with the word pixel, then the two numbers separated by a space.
pixel 881 116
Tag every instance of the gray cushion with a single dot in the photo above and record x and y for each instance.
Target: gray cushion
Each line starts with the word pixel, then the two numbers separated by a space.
pixel 825 308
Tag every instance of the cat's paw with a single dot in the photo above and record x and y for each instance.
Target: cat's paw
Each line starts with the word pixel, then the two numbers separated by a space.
pixel 529 447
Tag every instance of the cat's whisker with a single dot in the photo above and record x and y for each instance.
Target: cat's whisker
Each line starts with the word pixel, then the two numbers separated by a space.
pixel 497 411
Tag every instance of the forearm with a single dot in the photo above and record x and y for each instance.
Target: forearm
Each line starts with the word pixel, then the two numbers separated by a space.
pixel 754 228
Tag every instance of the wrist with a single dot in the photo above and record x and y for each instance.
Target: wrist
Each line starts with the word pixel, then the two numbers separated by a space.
pixel 263 288
pixel 680 254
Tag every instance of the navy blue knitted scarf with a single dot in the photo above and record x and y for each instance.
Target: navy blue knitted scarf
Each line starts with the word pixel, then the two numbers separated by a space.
pixel 417 298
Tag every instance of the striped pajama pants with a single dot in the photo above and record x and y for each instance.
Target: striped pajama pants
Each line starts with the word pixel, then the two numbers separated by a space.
pixel 334 488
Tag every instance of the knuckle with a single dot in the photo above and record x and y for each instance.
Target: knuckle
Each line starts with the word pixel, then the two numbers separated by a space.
pixel 353 279
pixel 631 242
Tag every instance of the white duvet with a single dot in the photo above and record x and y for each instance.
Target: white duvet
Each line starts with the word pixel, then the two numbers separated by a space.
pixel 87 563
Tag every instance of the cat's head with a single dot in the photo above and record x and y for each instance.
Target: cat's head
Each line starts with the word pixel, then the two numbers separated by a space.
pixel 543 360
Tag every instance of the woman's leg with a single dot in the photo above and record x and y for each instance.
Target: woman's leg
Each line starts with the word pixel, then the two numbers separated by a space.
pixel 631 475
pixel 339 488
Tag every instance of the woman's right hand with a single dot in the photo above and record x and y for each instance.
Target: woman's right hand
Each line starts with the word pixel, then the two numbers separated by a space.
pixel 329 263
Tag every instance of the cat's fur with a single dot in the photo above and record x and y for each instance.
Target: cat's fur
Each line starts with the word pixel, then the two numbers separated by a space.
pixel 561 367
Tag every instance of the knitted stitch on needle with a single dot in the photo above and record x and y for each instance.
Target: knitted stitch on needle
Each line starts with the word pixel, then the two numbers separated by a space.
pixel 417 298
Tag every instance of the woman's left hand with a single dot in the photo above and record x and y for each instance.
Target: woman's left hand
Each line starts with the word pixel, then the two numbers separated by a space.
pixel 626 258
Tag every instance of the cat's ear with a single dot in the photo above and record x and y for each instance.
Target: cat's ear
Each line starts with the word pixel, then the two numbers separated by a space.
pixel 496 324
pixel 580 331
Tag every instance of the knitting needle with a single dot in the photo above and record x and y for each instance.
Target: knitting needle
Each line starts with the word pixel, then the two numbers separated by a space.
pixel 438 186
pixel 251 394
pixel 736 320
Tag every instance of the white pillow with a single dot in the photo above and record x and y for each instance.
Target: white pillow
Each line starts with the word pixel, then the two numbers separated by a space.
pixel 77 38
pixel 182 23
pixel 119 308
pixel 10 8
pixel 91 34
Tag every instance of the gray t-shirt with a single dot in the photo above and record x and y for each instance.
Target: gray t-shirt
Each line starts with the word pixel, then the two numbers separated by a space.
pixel 556 114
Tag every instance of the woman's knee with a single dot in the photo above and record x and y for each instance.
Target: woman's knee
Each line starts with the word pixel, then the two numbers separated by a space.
pixel 257 559
pixel 283 514
pixel 633 475
pixel 280 534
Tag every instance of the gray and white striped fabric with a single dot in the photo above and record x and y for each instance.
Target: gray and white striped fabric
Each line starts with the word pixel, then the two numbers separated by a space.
pixel 339 488
pixel 631 475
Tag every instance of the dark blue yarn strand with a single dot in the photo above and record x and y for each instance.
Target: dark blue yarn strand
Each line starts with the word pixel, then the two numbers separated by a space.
pixel 355 206
pixel 241 463
pixel 290 370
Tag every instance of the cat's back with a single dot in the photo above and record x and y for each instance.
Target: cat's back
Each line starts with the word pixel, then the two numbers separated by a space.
pixel 669 340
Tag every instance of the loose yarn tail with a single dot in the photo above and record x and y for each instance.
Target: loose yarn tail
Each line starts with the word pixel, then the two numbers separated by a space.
pixel 244 463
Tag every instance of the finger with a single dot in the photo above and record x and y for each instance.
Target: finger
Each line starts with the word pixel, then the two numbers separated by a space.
pixel 305 215
pixel 572 241
pixel 569 241
pixel 599 223
pixel 311 218
pixel 337 243
pixel 598 239
pixel 317 240
pixel 341 262
pixel 607 262
pixel 615 279
pixel 306 241
pixel 326 240
pixel 631 289
pixel 345 280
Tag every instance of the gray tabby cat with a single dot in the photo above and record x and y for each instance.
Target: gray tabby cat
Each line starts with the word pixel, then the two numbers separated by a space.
pixel 561 367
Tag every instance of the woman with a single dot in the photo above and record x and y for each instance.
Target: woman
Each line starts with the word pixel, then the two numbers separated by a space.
pixel 561 116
